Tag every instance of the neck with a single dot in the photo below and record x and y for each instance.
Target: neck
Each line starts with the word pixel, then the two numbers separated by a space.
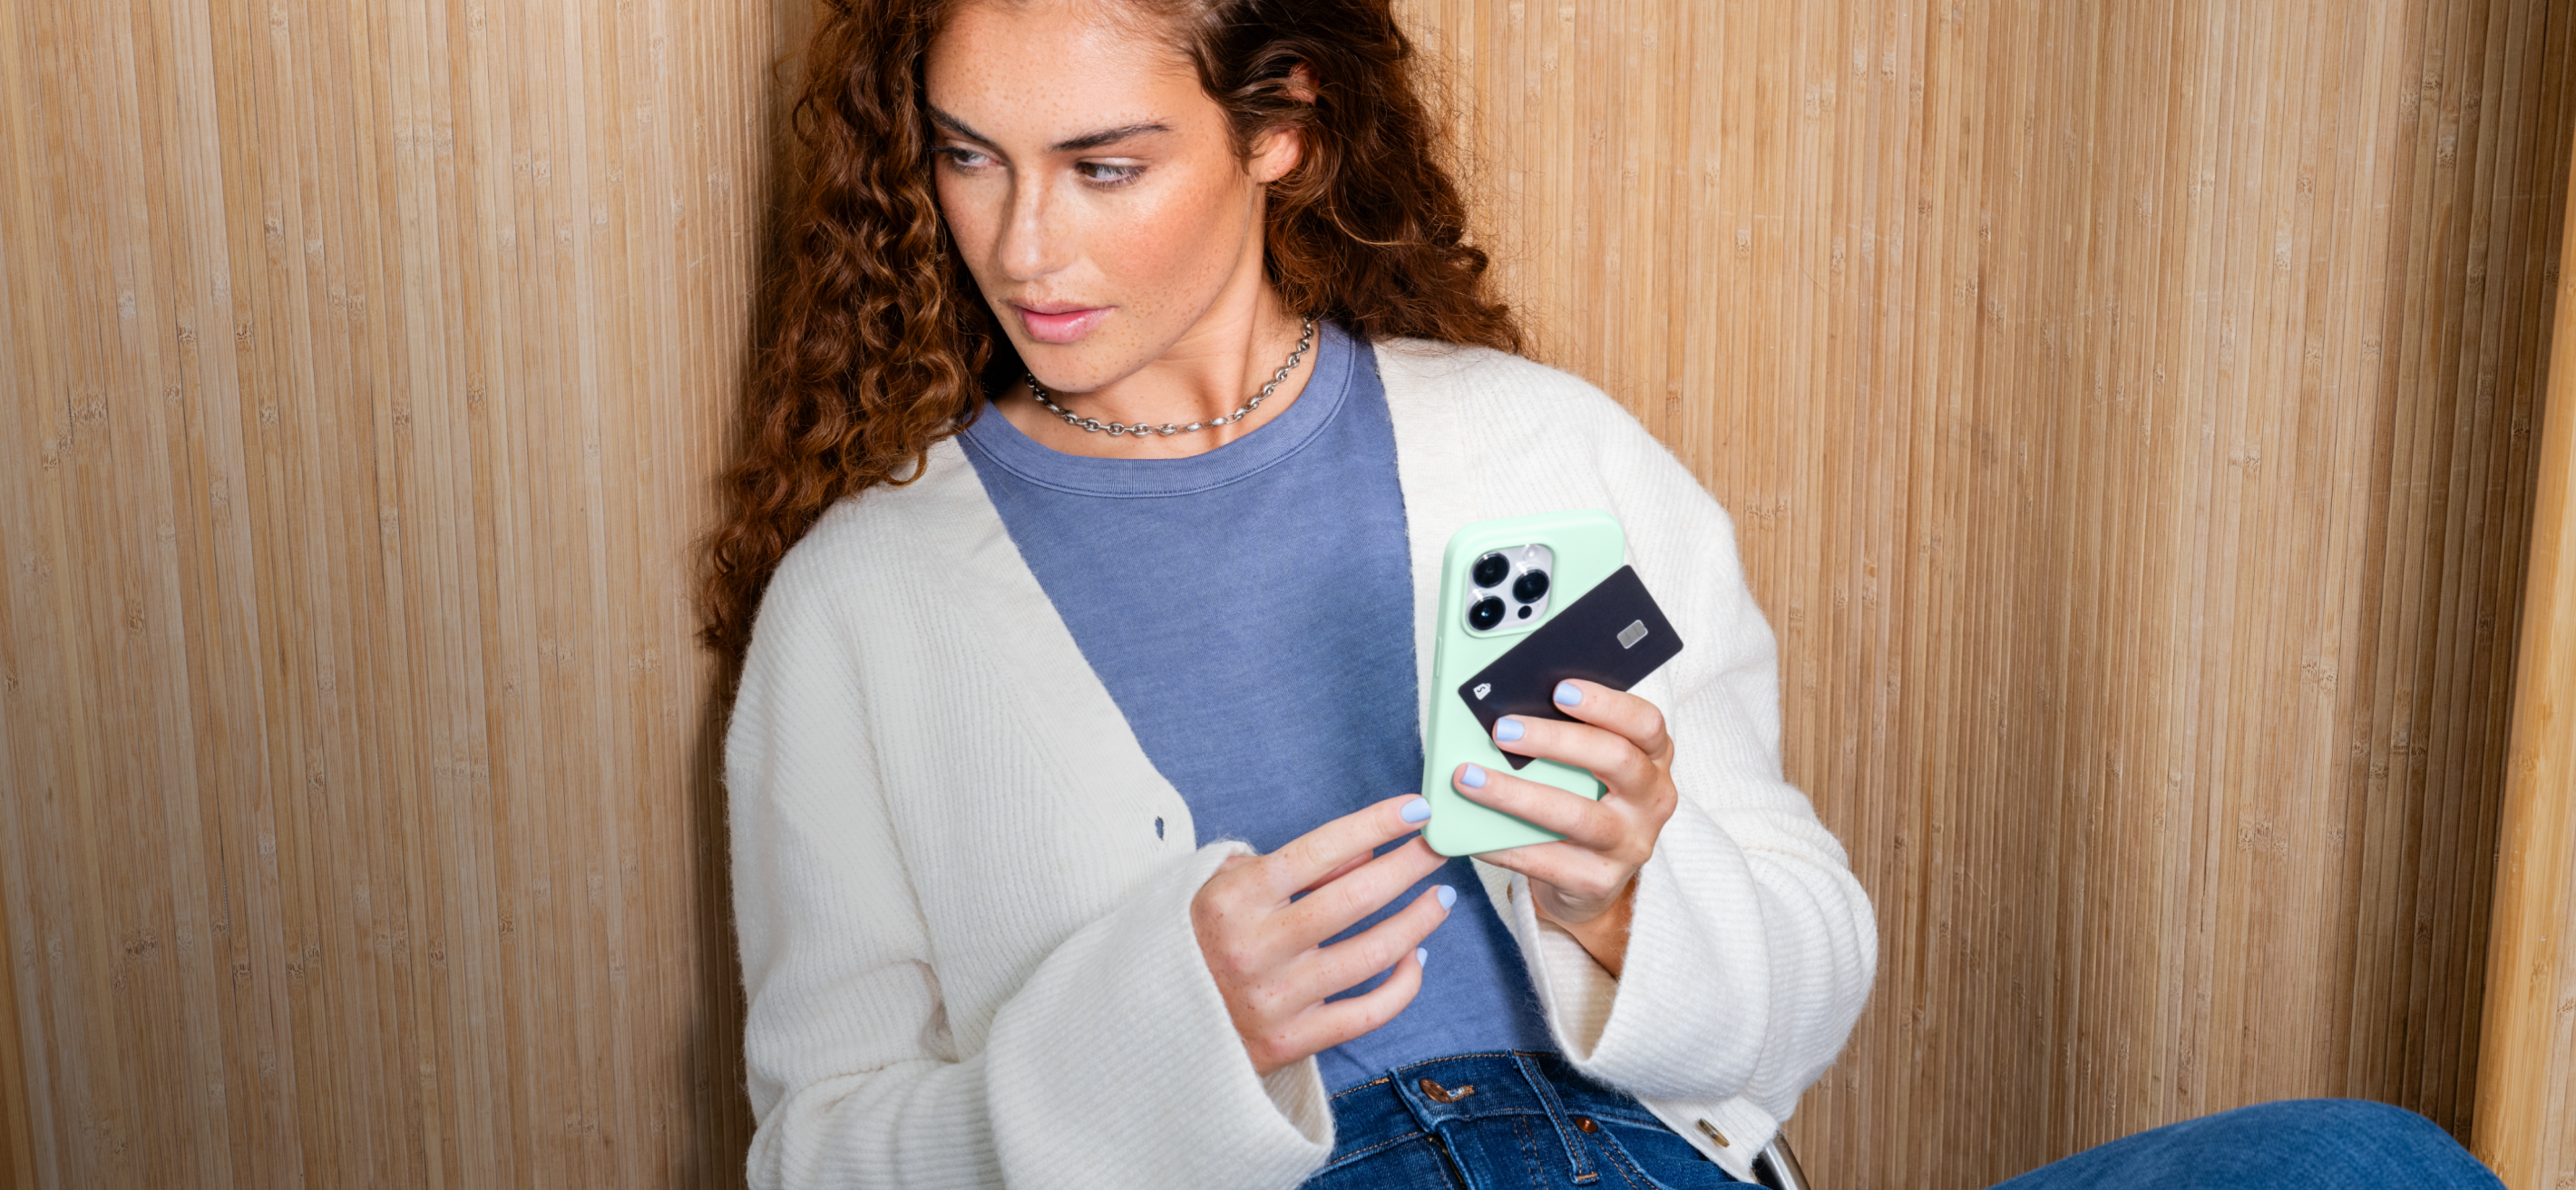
pixel 1200 420
pixel 1233 350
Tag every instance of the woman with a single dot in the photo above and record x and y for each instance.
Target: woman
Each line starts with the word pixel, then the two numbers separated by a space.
pixel 1130 372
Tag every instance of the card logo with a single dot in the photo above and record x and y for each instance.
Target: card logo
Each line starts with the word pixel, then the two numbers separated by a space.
pixel 1483 689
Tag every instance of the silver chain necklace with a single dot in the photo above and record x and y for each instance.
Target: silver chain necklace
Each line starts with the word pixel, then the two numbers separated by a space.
pixel 1167 429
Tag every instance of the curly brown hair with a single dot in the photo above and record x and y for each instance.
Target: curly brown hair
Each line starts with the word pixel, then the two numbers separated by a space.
pixel 877 343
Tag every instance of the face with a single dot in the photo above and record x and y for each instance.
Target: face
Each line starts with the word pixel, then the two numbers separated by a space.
pixel 1092 185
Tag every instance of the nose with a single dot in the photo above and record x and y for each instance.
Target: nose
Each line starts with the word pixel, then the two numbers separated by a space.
pixel 1034 243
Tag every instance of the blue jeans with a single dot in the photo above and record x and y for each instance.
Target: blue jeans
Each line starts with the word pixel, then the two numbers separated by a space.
pixel 1486 1121
pixel 2294 1144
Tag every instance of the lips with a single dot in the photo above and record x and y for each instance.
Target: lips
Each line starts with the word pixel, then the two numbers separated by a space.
pixel 1060 325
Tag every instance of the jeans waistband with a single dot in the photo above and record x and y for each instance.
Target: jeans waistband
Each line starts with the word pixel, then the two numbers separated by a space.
pixel 1411 1100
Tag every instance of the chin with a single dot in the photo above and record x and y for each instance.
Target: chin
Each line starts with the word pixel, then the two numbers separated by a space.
pixel 1078 367
pixel 1104 356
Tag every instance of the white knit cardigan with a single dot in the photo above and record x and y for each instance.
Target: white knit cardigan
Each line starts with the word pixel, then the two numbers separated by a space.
pixel 963 891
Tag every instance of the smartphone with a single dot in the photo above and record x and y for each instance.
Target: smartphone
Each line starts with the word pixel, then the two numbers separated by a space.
pixel 1500 581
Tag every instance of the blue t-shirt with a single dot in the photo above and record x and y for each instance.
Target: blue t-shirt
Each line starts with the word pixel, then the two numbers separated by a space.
pixel 1251 611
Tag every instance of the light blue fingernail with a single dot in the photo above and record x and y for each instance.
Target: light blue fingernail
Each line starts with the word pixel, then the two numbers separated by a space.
pixel 1508 730
pixel 1416 810
pixel 1567 695
pixel 1421 956
pixel 1474 778
pixel 1448 896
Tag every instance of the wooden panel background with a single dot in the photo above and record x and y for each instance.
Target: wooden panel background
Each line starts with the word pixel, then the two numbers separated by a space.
pixel 2526 1124
pixel 367 366
pixel 2128 411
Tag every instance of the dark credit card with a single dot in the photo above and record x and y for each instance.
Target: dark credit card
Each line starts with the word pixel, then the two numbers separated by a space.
pixel 1614 635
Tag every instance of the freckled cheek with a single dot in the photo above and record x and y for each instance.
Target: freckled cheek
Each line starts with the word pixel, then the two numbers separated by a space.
pixel 973 221
pixel 1172 255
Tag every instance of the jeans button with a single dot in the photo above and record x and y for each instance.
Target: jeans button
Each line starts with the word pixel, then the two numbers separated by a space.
pixel 1585 1124
pixel 1441 1094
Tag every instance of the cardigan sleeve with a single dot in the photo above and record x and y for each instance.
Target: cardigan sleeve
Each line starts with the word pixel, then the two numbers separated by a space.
pixel 1107 1067
pixel 1752 947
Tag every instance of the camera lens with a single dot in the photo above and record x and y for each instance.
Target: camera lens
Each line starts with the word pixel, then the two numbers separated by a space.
pixel 1531 586
pixel 1490 570
pixel 1487 613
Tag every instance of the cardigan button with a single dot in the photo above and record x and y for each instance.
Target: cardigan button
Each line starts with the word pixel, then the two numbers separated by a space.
pixel 1715 1135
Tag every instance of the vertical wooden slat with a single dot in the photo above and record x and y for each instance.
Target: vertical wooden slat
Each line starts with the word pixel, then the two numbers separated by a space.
pixel 2526 1084
pixel 17 1119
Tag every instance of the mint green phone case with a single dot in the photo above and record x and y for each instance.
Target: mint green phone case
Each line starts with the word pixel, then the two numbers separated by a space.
pixel 1589 547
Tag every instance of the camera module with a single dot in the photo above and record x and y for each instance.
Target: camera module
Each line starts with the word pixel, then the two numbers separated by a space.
pixel 1487 612
pixel 1490 570
pixel 1530 587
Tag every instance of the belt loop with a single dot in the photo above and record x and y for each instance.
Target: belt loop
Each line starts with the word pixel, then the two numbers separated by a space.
pixel 1575 1150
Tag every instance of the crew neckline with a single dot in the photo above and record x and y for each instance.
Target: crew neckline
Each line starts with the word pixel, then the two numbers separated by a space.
pixel 993 438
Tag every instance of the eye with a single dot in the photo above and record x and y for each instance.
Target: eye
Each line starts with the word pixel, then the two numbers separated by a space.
pixel 959 157
pixel 1106 173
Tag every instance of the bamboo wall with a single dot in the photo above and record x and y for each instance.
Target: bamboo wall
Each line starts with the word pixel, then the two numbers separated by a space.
pixel 2128 410
pixel 367 364
pixel 2526 1124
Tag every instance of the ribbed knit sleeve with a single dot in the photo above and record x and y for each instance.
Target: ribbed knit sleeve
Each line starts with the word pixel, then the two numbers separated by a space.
pixel 1113 1064
pixel 1753 947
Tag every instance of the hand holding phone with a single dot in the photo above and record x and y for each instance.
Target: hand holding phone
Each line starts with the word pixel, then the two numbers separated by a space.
pixel 1524 602
pixel 1500 580
pixel 1582 881
pixel 1511 688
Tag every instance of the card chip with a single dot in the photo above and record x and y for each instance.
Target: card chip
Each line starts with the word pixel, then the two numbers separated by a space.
pixel 1630 635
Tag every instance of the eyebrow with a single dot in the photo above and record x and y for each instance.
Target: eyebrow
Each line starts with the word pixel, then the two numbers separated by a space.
pixel 1108 136
pixel 1088 140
